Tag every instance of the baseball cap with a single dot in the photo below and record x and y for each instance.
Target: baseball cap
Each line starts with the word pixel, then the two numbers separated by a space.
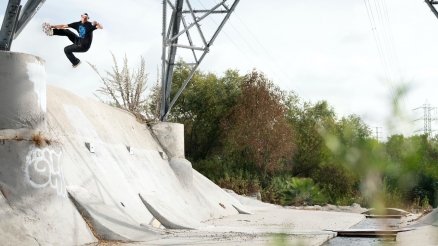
pixel 86 15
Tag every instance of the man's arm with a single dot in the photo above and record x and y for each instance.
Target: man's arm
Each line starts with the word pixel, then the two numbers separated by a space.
pixel 97 24
pixel 62 26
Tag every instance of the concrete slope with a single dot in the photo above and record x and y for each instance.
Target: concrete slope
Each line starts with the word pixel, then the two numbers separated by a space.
pixel 33 185
pixel 116 175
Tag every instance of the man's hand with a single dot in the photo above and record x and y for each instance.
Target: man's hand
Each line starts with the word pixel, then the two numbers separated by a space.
pixel 97 24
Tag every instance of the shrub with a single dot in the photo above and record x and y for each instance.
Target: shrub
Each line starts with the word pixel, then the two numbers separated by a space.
pixel 302 191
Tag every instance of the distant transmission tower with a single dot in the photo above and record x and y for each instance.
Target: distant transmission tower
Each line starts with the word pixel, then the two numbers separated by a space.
pixel 377 132
pixel 427 118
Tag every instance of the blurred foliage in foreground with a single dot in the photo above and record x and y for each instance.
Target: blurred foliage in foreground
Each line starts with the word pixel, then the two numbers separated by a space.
pixel 246 134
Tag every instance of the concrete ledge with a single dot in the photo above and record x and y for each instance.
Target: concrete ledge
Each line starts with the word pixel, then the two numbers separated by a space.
pixel 106 222
pixel 386 211
pixel 241 210
pixel 169 217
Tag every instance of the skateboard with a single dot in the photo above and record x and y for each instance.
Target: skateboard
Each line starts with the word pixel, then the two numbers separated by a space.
pixel 46 29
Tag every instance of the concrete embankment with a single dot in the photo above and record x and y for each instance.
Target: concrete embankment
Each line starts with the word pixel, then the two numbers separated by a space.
pixel 74 170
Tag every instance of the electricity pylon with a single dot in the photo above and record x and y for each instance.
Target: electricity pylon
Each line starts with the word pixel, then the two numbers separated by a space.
pixel 427 119
pixel 431 4
pixel 15 19
pixel 172 33
pixel 377 132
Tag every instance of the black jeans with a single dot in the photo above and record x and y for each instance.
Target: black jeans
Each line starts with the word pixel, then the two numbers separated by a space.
pixel 68 50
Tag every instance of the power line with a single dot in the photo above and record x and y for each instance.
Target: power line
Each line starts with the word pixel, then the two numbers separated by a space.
pixel 392 52
pixel 235 14
pixel 379 48
pixel 389 59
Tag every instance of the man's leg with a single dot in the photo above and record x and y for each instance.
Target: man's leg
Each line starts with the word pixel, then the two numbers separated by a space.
pixel 68 50
pixel 65 32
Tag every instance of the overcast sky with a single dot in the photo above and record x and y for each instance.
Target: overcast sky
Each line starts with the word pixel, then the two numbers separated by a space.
pixel 353 54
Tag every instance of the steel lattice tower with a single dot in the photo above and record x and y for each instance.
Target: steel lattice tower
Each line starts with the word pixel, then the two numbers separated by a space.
pixel 172 33
pixel 427 118
pixel 15 19
pixel 432 4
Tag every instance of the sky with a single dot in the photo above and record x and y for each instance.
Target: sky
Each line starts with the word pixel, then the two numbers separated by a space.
pixel 353 54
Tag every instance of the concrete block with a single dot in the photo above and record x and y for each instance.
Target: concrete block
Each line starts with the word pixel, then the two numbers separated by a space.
pixel 155 223
pixel 171 138
pixel 163 155
pixel 22 91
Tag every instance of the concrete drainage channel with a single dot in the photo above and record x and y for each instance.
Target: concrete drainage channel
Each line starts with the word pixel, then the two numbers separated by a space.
pixel 376 229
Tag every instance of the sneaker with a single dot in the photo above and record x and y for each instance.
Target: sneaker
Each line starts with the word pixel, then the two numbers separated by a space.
pixel 47 30
pixel 77 64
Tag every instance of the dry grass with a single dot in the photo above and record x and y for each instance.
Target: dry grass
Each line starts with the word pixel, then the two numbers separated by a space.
pixel 101 242
pixel 40 140
pixel 37 138
pixel 19 138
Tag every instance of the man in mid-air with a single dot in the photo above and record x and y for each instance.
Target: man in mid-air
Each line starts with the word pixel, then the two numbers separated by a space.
pixel 81 43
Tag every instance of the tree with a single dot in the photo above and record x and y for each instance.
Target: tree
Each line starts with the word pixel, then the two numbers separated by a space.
pixel 257 129
pixel 308 122
pixel 205 101
pixel 125 88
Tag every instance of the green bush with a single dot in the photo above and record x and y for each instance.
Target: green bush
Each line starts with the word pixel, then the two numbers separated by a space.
pixel 273 192
pixel 302 191
pixel 239 182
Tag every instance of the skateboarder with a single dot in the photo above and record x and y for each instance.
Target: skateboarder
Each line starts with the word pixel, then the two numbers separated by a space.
pixel 81 43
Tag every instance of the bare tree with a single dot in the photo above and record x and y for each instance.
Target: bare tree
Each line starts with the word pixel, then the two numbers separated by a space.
pixel 125 88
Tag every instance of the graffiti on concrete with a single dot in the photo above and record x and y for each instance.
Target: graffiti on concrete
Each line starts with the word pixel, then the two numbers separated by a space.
pixel 43 168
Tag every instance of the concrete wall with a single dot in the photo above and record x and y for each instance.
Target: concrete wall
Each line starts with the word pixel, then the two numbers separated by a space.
pixel 22 91
pixel 36 208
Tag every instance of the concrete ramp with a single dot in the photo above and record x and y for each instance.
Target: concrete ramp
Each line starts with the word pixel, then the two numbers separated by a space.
pixel 169 216
pixel 429 219
pixel 106 222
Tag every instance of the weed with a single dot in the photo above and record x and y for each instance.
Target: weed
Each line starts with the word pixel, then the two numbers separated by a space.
pixel 40 140
pixel 18 138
